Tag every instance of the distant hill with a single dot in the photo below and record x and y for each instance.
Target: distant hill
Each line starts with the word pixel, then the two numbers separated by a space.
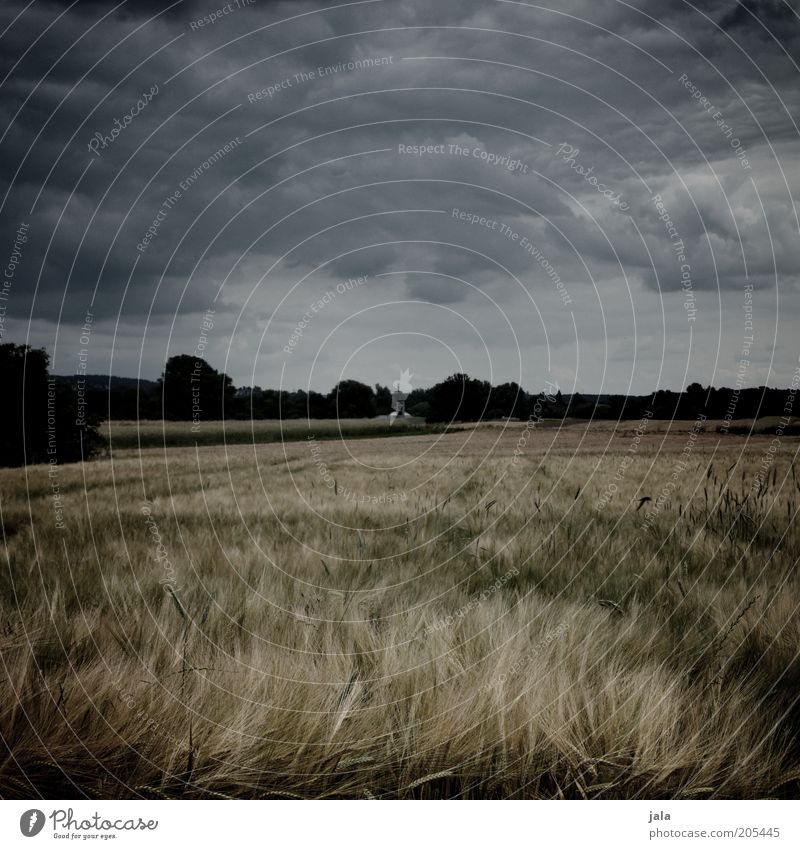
pixel 588 398
pixel 109 396
pixel 104 382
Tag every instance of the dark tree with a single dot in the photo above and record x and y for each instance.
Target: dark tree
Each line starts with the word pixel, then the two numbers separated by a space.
pixel 383 400
pixel 510 399
pixel 618 406
pixel 23 437
pixel 418 396
pixel 692 402
pixel 319 407
pixel 421 410
pixel 665 404
pixel 191 390
pixel 579 407
pixel 547 406
pixel 291 405
pixel 459 398
pixel 351 399
pixel 48 422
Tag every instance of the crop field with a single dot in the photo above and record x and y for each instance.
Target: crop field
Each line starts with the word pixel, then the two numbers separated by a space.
pixel 520 612
pixel 155 434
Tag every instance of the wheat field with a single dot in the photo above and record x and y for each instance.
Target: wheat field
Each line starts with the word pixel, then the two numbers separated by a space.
pixel 156 434
pixel 489 613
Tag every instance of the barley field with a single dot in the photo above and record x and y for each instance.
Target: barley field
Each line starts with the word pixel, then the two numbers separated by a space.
pixel 487 613
pixel 157 434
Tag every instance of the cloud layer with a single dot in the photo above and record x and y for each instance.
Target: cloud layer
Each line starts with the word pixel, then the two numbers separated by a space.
pixel 582 193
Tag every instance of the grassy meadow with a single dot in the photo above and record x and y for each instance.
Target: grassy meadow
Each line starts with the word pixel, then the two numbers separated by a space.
pixel 488 613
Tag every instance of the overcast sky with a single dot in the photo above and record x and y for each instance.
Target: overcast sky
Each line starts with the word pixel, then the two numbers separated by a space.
pixel 602 183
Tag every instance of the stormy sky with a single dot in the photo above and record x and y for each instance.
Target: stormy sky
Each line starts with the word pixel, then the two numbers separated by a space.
pixel 595 194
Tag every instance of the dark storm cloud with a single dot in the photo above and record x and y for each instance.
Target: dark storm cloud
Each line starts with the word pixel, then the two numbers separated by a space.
pixel 263 159
pixel 137 8
pixel 775 16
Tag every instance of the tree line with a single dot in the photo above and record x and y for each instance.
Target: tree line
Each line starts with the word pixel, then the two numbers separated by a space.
pixel 56 419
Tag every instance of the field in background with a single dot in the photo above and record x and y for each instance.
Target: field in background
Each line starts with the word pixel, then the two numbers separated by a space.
pixel 152 434
pixel 472 614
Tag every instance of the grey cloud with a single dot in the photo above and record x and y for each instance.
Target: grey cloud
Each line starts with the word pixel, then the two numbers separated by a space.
pixel 604 78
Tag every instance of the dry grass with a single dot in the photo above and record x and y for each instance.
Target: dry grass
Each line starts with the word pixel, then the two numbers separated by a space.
pixel 317 646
